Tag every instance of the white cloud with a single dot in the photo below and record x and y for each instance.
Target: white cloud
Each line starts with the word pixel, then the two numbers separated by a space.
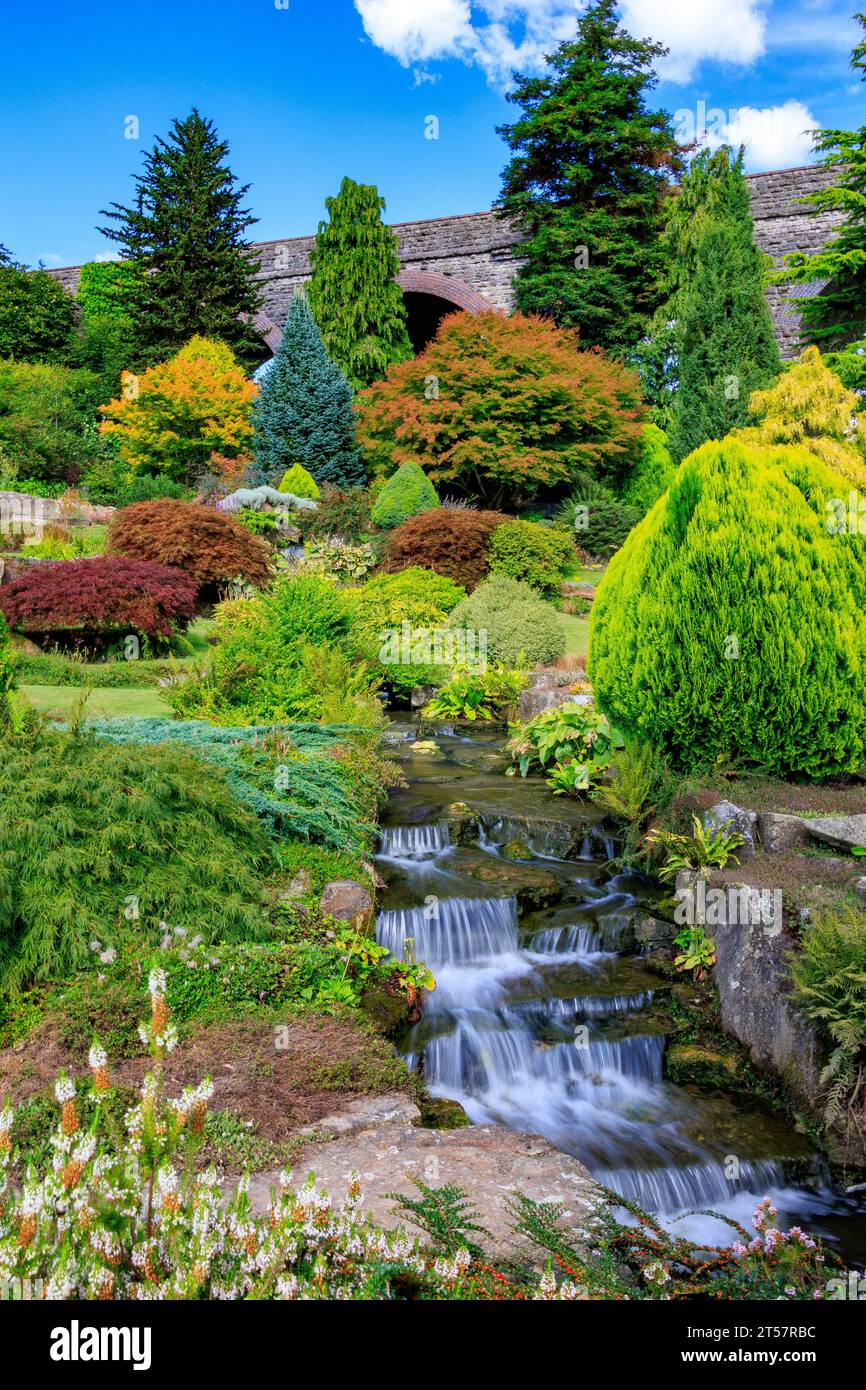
pixel 775 137
pixel 52 258
pixel 699 30
pixel 501 35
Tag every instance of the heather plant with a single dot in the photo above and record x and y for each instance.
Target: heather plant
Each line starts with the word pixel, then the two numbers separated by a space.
pixel 107 843
pixel 517 624
pixel 206 544
pixel 709 634
pixel 406 493
pixel 124 1211
pixel 87 601
pixel 536 554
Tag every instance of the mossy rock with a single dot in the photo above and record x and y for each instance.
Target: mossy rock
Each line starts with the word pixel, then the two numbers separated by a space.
pixel 438 1113
pixel 462 824
pixel 530 886
pixel 688 1064
pixel 386 1011
pixel 516 849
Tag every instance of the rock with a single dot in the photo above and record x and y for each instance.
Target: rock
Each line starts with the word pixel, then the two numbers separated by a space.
pixel 860 889
pixel 426 747
pixel 516 849
pixel 490 1163
pixel 421 695
pixel 753 982
pixel 389 1012
pixel 844 832
pixel 438 1113
pixel 300 887
pixel 654 931
pixel 531 887
pixel 24 646
pixel 346 900
pixel 688 1064
pixel 743 822
pixel 462 824
pixel 779 832
pixel 548 689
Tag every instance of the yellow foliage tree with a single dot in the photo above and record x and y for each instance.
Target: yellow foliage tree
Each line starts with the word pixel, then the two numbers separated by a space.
pixel 175 416
pixel 809 405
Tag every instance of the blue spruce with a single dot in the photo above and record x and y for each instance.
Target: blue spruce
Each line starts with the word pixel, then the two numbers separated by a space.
pixel 304 411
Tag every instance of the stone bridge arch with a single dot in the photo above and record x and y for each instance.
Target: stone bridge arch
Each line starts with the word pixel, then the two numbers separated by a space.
pixel 429 295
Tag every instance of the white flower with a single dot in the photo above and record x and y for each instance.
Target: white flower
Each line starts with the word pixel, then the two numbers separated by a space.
pixel 97 1058
pixel 156 983
pixel 64 1089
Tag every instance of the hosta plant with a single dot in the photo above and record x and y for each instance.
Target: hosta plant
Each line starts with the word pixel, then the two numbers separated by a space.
pixel 472 694
pixel 566 733
pixel 697 952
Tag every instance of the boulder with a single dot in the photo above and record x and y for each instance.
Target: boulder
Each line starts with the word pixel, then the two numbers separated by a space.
pixel 860 889
pixel 779 832
pixel 346 900
pixel 531 887
pixel 725 813
pixel 843 832
pixel 653 931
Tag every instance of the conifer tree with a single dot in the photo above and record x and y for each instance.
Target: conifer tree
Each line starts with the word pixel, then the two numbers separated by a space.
pixel 717 322
pixel 304 412
pixel 835 318
pixel 353 293
pixel 590 171
pixel 186 232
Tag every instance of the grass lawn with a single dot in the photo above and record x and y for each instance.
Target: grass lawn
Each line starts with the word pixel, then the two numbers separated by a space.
pixel 59 700
pixel 576 634
pixel 576 573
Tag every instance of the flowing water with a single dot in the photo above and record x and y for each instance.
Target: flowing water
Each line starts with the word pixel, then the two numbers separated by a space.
pixel 547 1022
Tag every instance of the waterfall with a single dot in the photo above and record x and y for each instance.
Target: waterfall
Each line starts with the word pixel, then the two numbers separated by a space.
pixel 451 929
pixel 407 842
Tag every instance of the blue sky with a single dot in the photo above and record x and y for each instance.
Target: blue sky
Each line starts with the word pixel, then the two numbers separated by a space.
pixel 309 90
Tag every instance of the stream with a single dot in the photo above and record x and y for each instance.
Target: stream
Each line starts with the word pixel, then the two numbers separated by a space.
pixel 545 1019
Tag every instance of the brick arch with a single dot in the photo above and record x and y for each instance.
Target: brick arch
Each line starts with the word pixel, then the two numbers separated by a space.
pixel 268 330
pixel 447 287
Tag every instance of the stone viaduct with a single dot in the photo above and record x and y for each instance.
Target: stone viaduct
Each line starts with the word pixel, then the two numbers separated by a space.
pixel 468 261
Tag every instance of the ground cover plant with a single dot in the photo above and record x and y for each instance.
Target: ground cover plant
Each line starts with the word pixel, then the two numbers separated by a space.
pixel 104 843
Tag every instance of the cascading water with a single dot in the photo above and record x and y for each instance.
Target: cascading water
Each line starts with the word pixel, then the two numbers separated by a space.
pixel 549 1028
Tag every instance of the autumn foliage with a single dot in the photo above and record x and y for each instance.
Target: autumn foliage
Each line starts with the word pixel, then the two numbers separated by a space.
pixel 503 409
pixel 99 596
pixel 206 544
pixel 449 541
pixel 175 416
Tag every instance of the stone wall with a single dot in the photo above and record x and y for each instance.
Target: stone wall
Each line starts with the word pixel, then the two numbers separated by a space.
pixel 478 252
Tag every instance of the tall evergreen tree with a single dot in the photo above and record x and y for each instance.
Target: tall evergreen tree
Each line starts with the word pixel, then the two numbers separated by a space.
pixel 186 231
pixel 836 316
pixel 588 180
pixel 353 293
pixel 304 412
pixel 725 346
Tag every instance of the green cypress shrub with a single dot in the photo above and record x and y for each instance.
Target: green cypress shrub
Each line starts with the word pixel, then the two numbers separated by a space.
pixel 730 624
pixel 536 554
pixel 652 474
pixel 304 411
pixel 406 493
pixel 597 519
pixel 299 483
pixel 517 623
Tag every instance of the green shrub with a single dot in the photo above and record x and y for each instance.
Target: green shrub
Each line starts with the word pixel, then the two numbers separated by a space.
pixel 730 625
pixel 597 519
pixel 257 673
pixel 377 612
pixel 302 780
pixel 829 974
pixel 536 554
pixel 491 693
pixel 7 674
pixel 517 622
pixel 45 412
pixel 299 483
pixel 105 843
pixel 406 493
pixel 653 472
pixel 343 512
